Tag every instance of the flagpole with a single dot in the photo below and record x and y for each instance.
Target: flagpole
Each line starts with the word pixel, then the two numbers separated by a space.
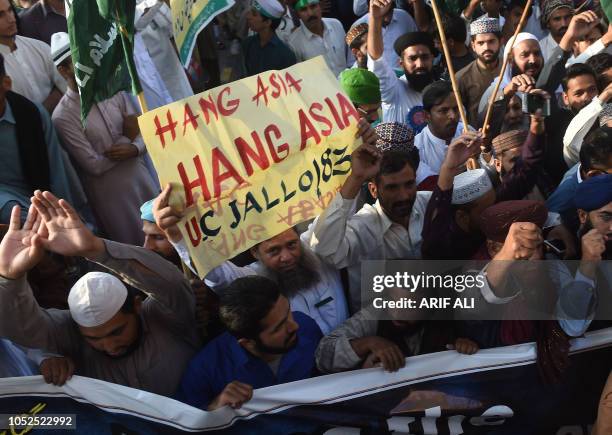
pixel 471 163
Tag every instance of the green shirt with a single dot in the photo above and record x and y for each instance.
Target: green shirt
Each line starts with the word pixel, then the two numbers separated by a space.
pixel 275 55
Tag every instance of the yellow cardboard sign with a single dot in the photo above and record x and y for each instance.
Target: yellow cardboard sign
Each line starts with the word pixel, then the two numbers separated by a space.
pixel 252 158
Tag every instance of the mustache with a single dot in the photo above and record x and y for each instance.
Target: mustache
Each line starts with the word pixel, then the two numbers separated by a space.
pixel 313 18
pixel 402 204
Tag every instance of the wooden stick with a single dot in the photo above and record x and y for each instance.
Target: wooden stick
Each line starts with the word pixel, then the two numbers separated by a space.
pixel 471 163
pixel 449 64
pixel 485 126
pixel 143 103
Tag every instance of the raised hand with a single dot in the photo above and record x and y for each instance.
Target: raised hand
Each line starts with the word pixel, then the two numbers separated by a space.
pixel 520 83
pixel 523 239
pixel 166 217
pixel 65 234
pixel 379 8
pixel 21 248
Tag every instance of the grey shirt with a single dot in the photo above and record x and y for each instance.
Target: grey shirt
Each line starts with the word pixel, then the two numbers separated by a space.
pixel 169 338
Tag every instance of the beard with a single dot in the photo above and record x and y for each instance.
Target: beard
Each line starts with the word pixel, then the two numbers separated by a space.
pixel 303 276
pixel 488 60
pixel 418 81
pixel 362 62
pixel 290 343
pixel 533 66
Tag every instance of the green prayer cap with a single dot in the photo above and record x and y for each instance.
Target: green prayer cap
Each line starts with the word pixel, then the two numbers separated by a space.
pixel 303 3
pixel 362 86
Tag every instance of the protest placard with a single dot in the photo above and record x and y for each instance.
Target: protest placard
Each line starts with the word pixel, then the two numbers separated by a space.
pixel 252 158
pixel 189 17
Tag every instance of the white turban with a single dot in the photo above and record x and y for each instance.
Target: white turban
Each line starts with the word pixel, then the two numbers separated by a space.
pixel 95 298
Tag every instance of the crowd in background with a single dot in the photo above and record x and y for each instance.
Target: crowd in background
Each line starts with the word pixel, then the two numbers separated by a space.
pixel 93 267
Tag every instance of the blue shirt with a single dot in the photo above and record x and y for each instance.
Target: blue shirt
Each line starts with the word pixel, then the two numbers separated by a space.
pixel 275 55
pixel 223 360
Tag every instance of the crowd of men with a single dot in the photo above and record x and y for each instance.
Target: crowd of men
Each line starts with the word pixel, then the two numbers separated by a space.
pixel 90 260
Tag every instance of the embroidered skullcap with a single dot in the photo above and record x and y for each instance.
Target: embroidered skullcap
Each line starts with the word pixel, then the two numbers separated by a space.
pixel 394 136
pixel 362 86
pixel 484 25
pixel 508 140
pixel 594 193
pixel 496 220
pixel 605 115
pixel 470 185
pixel 95 298
pixel 355 33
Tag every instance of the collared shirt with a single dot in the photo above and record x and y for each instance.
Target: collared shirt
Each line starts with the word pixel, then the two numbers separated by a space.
pixel 31 69
pixel 344 240
pixel 432 149
pixel 167 321
pixel 324 301
pixel 41 21
pixel 400 103
pixel 547 45
pixel 401 23
pixel 223 361
pixel 473 81
pixel 275 55
pixel 331 46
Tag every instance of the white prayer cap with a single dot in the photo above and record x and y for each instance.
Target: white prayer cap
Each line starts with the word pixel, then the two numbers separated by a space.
pixel 95 298
pixel 60 47
pixel 523 36
pixel 269 8
pixel 470 185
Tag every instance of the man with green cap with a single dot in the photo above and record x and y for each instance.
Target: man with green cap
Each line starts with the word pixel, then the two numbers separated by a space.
pixel 264 51
pixel 363 88
pixel 318 36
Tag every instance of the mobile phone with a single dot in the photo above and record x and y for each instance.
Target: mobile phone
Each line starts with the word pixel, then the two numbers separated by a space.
pixel 533 102
pixel 555 246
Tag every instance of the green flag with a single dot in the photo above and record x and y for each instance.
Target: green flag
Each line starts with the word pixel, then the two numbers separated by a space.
pixel 606 5
pixel 101 44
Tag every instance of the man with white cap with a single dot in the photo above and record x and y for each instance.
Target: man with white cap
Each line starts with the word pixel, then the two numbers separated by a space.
pixel 523 69
pixel 110 334
pixel 475 78
pixel 451 229
pixel 107 151
pixel 264 51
